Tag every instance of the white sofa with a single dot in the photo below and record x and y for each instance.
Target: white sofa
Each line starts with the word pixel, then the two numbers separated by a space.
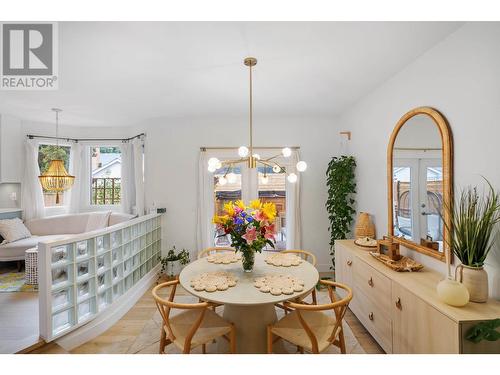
pixel 54 227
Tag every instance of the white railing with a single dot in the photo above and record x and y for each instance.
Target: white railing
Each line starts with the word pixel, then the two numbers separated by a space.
pixel 86 274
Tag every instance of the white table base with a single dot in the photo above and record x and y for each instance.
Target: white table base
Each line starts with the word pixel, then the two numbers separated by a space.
pixel 251 327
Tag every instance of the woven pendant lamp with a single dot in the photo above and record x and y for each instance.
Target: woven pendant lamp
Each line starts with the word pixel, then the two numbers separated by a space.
pixel 56 178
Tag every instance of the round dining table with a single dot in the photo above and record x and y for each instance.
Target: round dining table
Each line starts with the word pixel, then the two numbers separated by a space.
pixel 247 307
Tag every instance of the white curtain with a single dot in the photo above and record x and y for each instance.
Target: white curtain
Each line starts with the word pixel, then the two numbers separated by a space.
pixel 32 194
pixel 80 168
pixel 205 204
pixel 293 218
pixel 138 155
pixel 127 179
pixel 132 180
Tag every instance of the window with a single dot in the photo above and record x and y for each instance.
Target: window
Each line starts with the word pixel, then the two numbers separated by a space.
pixel 46 153
pixel 230 191
pixel 272 188
pixel 240 182
pixel 106 173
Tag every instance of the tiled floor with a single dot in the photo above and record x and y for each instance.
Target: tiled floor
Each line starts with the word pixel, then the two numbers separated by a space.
pixel 139 331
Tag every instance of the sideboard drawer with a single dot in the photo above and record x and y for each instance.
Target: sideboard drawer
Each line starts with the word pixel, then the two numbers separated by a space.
pixel 375 320
pixel 375 286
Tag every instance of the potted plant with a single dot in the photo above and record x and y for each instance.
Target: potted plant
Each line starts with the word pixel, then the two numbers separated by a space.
pixel 172 264
pixel 341 184
pixel 473 219
pixel 250 228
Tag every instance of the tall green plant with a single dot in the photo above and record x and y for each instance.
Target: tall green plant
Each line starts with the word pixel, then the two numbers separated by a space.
pixel 473 219
pixel 340 204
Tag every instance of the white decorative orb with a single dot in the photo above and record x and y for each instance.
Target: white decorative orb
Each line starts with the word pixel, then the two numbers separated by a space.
pixel 212 168
pixel 292 177
pixel 213 161
pixel 286 152
pixel 264 180
pixel 243 151
pixel 218 165
pixel 453 293
pixel 231 178
pixel 256 156
pixel 301 166
pixel 276 168
pixel 222 180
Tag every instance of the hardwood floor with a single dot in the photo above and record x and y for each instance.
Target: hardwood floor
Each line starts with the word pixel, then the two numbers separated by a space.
pixel 18 318
pixel 367 342
pixel 138 332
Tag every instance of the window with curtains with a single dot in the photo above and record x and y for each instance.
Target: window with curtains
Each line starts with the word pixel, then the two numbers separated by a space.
pixel 105 175
pixel 46 153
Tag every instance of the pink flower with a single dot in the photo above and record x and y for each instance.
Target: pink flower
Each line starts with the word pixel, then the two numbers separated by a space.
pixel 250 235
pixel 269 232
pixel 259 216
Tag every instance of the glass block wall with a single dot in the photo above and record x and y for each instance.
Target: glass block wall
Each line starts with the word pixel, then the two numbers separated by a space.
pixel 87 276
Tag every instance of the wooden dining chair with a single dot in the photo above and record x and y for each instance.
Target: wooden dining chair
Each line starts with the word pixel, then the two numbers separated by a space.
pixel 209 250
pixel 197 325
pixel 308 257
pixel 309 328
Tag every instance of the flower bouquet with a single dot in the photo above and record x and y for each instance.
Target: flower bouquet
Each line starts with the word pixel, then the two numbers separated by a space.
pixel 251 228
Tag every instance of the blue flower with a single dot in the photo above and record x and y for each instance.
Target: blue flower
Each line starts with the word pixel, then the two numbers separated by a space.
pixel 238 221
pixel 243 214
pixel 249 218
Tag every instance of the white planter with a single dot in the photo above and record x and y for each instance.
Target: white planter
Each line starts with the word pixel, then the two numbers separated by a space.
pixel 174 268
pixel 476 281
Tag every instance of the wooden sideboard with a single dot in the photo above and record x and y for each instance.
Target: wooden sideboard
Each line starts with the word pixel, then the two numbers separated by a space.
pixel 401 310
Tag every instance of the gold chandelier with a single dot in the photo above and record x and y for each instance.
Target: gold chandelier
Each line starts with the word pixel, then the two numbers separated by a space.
pixel 56 178
pixel 247 155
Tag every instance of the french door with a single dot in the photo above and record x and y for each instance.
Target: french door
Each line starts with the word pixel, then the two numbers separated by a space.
pixel 418 186
pixel 258 183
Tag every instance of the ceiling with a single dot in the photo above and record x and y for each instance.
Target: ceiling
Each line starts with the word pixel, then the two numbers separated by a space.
pixel 121 73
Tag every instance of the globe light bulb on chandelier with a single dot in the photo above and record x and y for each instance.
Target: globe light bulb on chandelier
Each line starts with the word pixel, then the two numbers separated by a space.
pixel 292 177
pixel 243 151
pixel 301 166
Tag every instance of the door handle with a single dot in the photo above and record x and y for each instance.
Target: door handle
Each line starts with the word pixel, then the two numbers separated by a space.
pixel 370 316
pixel 398 304
pixel 370 282
pixel 349 263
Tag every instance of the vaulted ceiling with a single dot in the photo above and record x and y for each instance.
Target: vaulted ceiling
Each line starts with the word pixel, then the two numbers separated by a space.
pixel 121 73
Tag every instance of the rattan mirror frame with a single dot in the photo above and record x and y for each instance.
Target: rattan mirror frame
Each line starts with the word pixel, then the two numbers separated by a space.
pixel 447 157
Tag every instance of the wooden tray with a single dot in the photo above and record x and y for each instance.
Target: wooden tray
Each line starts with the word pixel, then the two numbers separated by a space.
pixel 405 264
pixel 365 246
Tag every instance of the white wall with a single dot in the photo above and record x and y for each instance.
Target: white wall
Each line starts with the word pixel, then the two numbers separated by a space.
pixel 172 150
pixel 461 78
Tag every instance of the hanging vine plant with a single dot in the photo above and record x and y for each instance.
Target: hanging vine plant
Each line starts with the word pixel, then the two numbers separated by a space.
pixel 340 180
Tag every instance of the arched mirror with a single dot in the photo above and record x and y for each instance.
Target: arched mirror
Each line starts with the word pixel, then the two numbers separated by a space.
pixel 420 179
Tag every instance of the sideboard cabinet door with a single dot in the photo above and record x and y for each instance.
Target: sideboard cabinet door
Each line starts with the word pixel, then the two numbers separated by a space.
pixel 344 269
pixel 420 328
